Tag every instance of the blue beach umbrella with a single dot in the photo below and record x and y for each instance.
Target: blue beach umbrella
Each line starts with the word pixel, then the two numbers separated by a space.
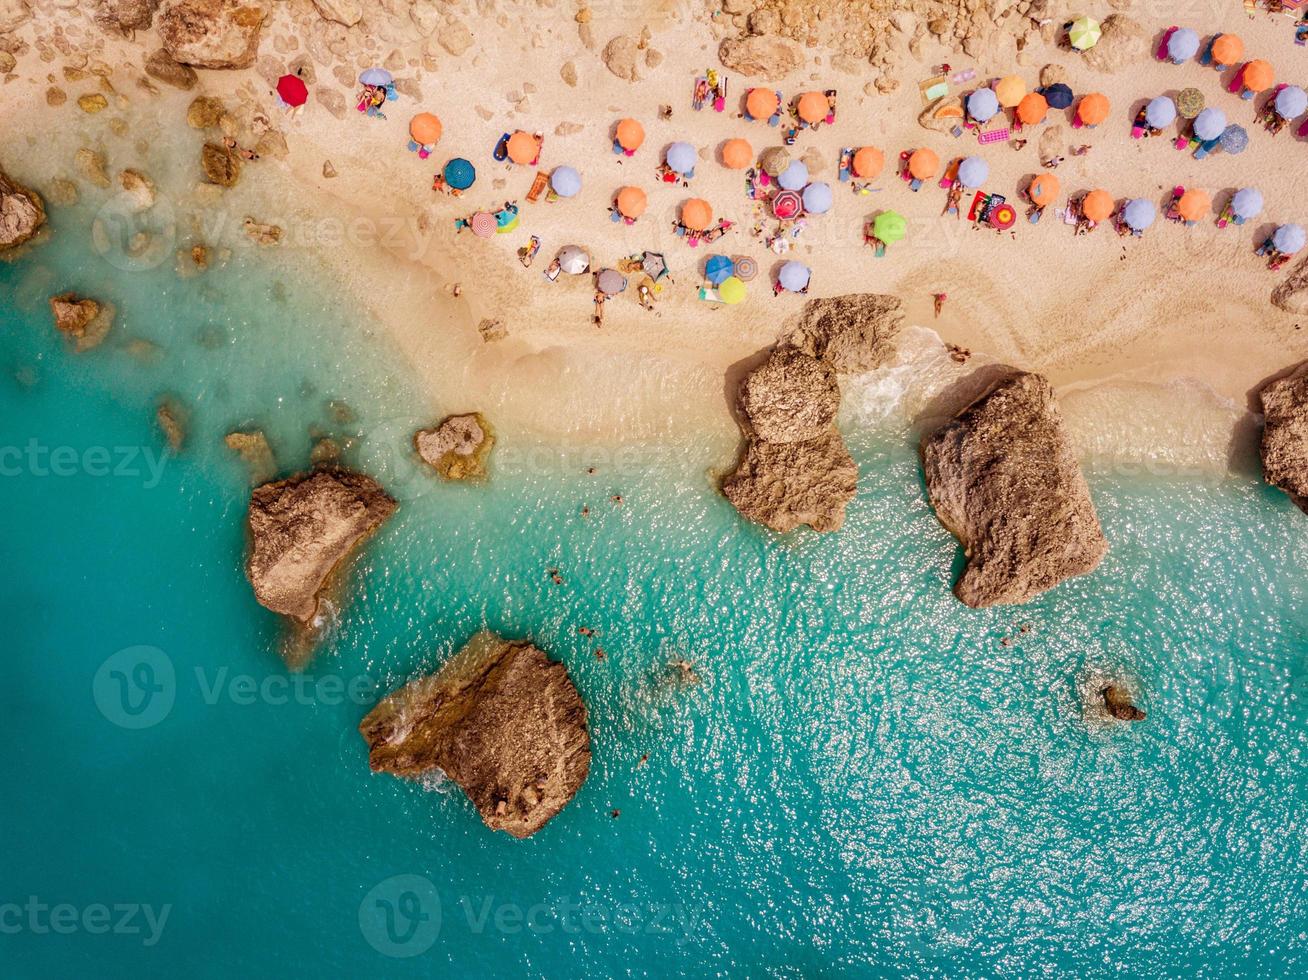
pixel 565 181
pixel 1160 112
pixel 718 269
pixel 1058 95
pixel 460 174
pixel 794 176
pixel 1247 202
pixel 1287 239
pixel 1208 125
pixel 817 198
pixel 1291 101
pixel 793 276
pixel 982 104
pixel 1139 214
pixel 376 76
pixel 973 171
pixel 681 157
pixel 1183 44
pixel 1234 139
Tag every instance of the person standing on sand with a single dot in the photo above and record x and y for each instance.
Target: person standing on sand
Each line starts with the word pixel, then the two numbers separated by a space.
pixel 938 301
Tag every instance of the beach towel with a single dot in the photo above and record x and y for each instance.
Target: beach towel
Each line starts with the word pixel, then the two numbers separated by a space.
pixel 538 186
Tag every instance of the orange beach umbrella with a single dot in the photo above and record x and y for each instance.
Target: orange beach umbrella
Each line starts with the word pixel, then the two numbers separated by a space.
pixel 1257 76
pixel 632 202
pixel 1009 90
pixel 1227 49
pixel 1044 189
pixel 761 103
pixel 868 162
pixel 813 107
pixel 1031 110
pixel 1097 205
pixel 523 147
pixel 923 164
pixel 736 154
pixel 425 129
pixel 1093 109
pixel 1194 204
pixel 696 214
pixel 630 134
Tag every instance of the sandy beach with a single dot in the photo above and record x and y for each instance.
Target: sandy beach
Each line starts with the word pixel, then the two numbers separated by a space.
pixel 1176 325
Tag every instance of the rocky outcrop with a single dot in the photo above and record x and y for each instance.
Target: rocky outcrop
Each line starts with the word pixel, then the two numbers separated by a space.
pixel 261 233
pixel 761 56
pixel 1291 294
pixel 138 187
pixel 1120 705
pixel 500 719
pixel 83 321
pixel 1124 42
pixel 782 485
pixel 255 453
pixel 126 16
pixel 212 33
pixel 346 12
pixel 853 333
pixel 205 112
pixel 160 65
pixel 13 15
pixel 1003 480
pixel 302 529
pixel 623 56
pixel 172 418
pixel 458 448
pixel 22 213
pixel 791 397
pixel 220 166
pixel 1285 434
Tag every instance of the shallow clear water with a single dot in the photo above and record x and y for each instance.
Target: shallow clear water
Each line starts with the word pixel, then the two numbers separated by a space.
pixel 867 780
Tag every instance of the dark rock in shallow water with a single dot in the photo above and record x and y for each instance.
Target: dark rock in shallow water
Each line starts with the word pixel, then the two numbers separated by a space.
pixel 220 166
pixel 83 321
pixel 458 448
pixel 500 719
pixel 785 484
pixel 1003 480
pixel 1285 434
pixel 22 213
pixel 1120 704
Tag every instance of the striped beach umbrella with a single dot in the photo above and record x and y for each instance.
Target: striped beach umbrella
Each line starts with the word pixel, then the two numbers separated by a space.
pixel 484 224
pixel 1084 33
pixel 746 268
pixel 787 204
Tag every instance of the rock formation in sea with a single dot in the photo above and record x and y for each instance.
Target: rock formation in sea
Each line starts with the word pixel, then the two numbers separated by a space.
pixel 302 529
pixel 211 33
pixel 161 66
pixel 83 321
pixel 502 720
pixel 22 213
pixel 253 449
pixel 173 420
pixel 1120 705
pixel 1285 433
pixel 1003 480
pixel 795 468
pixel 458 447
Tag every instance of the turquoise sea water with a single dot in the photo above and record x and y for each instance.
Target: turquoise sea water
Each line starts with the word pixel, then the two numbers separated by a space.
pixel 867 781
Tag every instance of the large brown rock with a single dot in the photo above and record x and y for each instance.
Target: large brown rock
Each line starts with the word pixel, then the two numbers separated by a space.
pixel 301 529
pixel 83 321
pixel 212 33
pixel 1124 42
pixel 761 56
pixel 1120 704
pixel 1291 294
pixel 22 213
pixel 790 397
pixel 501 720
pixel 126 16
pixel 785 484
pixel 1285 434
pixel 458 447
pixel 853 333
pixel 13 14
pixel 1003 480
pixel 160 65
pixel 623 56
pixel 220 165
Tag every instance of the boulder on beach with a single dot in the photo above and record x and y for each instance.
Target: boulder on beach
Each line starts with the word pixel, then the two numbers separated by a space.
pixel 1123 43
pixel 1120 704
pixel 500 719
pixel 125 16
pixel 211 33
pixel 785 484
pixel 22 213
pixel 205 112
pixel 761 56
pixel 83 321
pixel 302 529
pixel 220 166
pixel 623 57
pixel 853 333
pixel 458 447
pixel 161 66
pixel 790 397
pixel 1285 433
pixel 1003 480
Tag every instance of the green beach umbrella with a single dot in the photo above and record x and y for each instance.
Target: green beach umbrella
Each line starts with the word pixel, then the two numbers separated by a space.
pixel 889 227
pixel 731 291
pixel 1084 33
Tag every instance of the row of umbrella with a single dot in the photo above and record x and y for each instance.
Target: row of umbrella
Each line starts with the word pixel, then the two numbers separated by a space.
pixel 1031 108
pixel 763 103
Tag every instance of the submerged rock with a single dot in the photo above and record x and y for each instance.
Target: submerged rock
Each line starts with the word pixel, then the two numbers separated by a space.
pixel 502 720
pixel 457 448
pixel 84 321
pixel 785 484
pixel 172 417
pixel 791 397
pixel 1120 704
pixel 853 333
pixel 1285 434
pixel 211 33
pixel 762 56
pixel 160 65
pixel 21 213
pixel 261 233
pixel 254 451
pixel 139 187
pixel 205 112
pixel 91 164
pixel 220 166
pixel 1003 480
pixel 301 529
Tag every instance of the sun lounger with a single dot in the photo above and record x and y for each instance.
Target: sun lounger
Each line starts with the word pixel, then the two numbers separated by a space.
pixel 846 164
pixel 1000 135
pixel 538 185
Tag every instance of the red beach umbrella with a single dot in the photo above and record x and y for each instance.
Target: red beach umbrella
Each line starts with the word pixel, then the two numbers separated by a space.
pixel 1003 216
pixel 292 90
pixel 787 204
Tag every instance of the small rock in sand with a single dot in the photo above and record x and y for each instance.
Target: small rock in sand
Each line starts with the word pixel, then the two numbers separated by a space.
pixel 161 65
pixel 93 103
pixel 328 171
pixel 204 112
pixel 568 72
pixel 55 96
pixel 492 329
pixel 455 38
pixel 262 234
